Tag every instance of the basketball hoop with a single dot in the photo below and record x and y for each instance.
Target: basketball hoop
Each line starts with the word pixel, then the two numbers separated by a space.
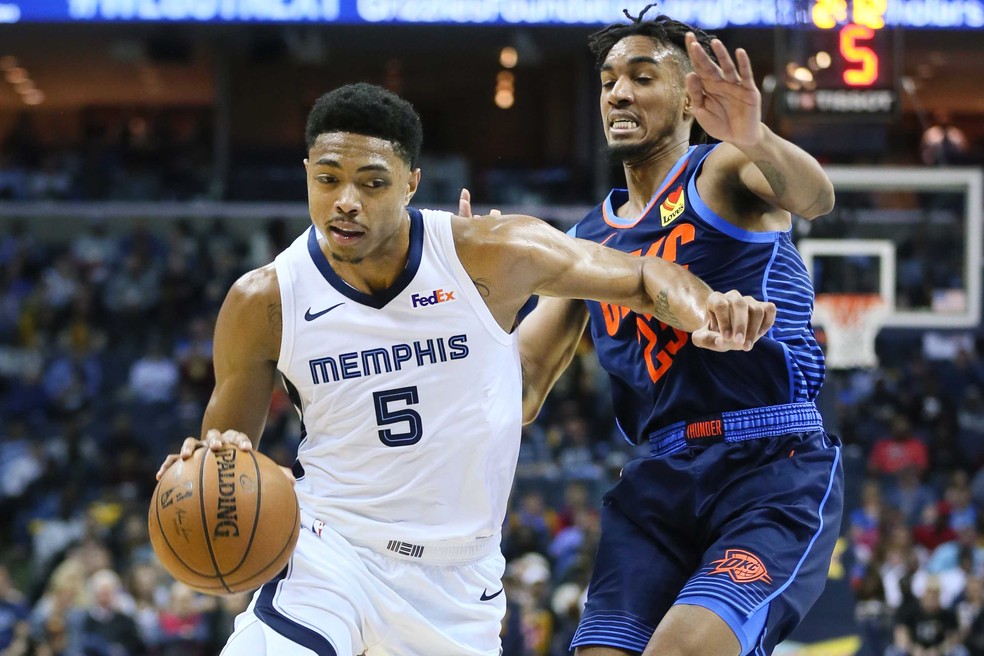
pixel 850 322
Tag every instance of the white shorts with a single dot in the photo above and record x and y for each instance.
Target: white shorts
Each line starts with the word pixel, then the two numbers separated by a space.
pixel 339 599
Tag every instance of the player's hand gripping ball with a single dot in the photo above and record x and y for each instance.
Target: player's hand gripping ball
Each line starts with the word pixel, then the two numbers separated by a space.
pixel 224 521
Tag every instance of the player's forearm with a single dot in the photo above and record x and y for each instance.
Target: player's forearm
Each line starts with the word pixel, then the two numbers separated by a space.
pixel 797 180
pixel 674 295
pixel 548 338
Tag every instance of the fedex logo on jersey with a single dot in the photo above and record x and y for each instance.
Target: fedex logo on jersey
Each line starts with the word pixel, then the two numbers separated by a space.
pixel 435 297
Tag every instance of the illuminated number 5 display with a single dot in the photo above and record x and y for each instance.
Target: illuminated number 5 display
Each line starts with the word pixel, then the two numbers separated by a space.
pixel 854 53
pixel 387 415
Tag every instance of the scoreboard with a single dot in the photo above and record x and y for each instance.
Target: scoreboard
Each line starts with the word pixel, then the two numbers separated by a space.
pixel 839 59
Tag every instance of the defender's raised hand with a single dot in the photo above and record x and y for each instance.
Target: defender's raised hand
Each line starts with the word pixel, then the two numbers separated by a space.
pixel 464 205
pixel 725 100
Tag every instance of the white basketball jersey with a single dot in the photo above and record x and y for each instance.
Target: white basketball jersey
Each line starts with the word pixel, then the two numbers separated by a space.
pixel 411 399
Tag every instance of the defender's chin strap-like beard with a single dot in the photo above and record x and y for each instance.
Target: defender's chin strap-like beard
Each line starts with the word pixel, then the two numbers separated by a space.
pixel 628 153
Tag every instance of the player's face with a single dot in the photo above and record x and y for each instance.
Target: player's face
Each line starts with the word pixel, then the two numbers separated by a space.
pixel 643 98
pixel 358 191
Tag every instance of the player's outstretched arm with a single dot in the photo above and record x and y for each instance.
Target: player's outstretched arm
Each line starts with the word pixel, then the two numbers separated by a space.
pixel 245 351
pixel 554 264
pixel 522 255
pixel 727 104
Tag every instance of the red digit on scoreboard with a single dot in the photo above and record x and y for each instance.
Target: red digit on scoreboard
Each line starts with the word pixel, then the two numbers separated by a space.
pixel 850 36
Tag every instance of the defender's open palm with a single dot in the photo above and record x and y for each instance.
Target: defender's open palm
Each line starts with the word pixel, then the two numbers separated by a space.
pixel 734 322
pixel 725 100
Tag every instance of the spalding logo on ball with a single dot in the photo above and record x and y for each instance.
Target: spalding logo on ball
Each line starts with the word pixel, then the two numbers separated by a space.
pixel 224 521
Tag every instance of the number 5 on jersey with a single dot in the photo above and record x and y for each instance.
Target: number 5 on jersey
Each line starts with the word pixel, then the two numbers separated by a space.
pixel 387 415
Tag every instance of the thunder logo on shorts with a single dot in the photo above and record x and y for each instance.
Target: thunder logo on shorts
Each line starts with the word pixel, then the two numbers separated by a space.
pixel 742 566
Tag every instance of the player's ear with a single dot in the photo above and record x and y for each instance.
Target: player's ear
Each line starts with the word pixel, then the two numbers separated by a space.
pixel 412 185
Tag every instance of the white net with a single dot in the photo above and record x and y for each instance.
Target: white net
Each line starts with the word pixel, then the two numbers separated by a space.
pixel 850 323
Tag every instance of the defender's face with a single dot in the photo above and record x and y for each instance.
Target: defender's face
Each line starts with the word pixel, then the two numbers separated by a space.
pixel 642 96
pixel 358 192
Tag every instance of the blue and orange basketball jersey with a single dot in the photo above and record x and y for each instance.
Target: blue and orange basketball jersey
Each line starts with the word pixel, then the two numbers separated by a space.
pixel 658 376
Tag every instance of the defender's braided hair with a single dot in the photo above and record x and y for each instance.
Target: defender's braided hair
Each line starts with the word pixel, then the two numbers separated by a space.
pixel 663 30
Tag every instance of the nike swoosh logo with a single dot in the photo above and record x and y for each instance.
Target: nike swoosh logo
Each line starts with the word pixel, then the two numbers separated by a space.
pixel 486 596
pixel 311 317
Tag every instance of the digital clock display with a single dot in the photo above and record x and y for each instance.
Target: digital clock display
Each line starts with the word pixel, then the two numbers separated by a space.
pixel 839 59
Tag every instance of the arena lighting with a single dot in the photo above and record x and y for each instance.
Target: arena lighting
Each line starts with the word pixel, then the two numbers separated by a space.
pixel 19 78
pixel 504 99
pixel 508 57
pixel 33 97
pixel 505 90
pixel 16 75
pixel 803 74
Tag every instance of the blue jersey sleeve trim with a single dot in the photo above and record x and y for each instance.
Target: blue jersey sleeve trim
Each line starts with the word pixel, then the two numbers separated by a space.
pixel 765 279
pixel 573 231
pixel 723 225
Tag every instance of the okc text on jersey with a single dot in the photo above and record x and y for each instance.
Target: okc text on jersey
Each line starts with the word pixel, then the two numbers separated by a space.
pixel 370 362
pixel 435 297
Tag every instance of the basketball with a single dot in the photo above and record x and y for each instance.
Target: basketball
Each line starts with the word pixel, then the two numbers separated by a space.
pixel 224 522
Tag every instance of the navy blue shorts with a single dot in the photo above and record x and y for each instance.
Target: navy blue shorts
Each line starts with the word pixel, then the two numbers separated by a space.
pixel 744 529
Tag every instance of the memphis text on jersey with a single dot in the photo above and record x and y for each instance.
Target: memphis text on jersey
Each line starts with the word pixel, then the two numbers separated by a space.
pixel 356 364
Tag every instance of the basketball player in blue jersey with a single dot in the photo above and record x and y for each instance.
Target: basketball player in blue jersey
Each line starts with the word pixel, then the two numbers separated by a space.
pixel 719 542
pixel 393 331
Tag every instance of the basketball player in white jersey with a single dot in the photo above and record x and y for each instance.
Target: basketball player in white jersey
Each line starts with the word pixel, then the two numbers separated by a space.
pixel 393 330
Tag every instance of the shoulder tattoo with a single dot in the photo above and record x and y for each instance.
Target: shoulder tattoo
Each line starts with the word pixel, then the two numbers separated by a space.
pixel 483 286
pixel 275 318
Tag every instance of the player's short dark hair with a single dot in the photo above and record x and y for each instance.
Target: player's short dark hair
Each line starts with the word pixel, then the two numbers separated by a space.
pixel 663 30
pixel 369 110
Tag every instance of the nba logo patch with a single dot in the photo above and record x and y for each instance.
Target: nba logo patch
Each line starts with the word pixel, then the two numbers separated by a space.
pixel 672 206
pixel 317 527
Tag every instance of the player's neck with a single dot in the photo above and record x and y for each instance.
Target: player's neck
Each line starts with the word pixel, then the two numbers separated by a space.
pixel 644 177
pixel 379 270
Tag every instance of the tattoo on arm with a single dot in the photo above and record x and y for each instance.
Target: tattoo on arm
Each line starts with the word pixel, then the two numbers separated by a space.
pixel 663 310
pixel 275 318
pixel 483 286
pixel 773 176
